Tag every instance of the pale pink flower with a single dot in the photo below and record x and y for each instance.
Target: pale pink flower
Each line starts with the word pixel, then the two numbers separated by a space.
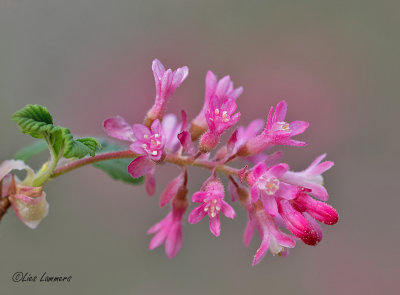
pixel 276 132
pixel 29 203
pixel 223 89
pixel 272 238
pixel 211 198
pixel 311 177
pixel 166 82
pixel 169 230
pixel 171 129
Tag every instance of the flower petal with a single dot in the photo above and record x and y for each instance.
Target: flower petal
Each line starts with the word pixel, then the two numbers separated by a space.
pixel 171 190
pixel 174 240
pixel 9 165
pixel 118 128
pixel 150 183
pixel 197 214
pixel 140 131
pixel 280 112
pixel 227 210
pixel 140 166
pixel 262 250
pixel 215 225
pixel 248 233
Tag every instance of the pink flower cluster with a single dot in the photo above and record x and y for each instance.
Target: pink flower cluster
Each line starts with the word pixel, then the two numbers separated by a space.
pixel 282 206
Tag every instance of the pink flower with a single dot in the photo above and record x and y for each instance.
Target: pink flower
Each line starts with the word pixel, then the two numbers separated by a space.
pixel 149 142
pixel 266 185
pixel 272 238
pixel 169 230
pixel 239 138
pixel 29 203
pixel 223 89
pixel 311 178
pixel 276 132
pixel 220 115
pixel 166 82
pixel 212 202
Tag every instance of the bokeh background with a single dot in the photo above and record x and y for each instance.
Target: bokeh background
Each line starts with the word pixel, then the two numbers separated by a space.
pixel 336 63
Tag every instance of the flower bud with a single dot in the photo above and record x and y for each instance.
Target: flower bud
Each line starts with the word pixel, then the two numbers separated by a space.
pixel 30 205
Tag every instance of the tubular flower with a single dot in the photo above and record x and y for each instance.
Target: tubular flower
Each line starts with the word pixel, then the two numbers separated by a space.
pixel 166 82
pixel 220 115
pixel 223 89
pixel 28 202
pixel 276 132
pixel 169 230
pixel 272 238
pixel 211 198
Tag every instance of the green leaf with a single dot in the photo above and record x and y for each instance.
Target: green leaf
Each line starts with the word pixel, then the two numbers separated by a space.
pixel 117 168
pixel 37 121
pixel 31 150
pixel 80 147
pixel 34 120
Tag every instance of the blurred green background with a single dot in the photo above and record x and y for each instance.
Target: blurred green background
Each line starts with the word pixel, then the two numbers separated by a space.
pixel 336 63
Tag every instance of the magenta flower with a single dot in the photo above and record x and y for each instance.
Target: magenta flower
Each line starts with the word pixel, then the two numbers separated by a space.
pixel 298 224
pixel 212 202
pixel 316 209
pixel 29 203
pixel 272 238
pixel 311 177
pixel 276 132
pixel 223 89
pixel 220 115
pixel 166 82
pixel 169 230
pixel 266 185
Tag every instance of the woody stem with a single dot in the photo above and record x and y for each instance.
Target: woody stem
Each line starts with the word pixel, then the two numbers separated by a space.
pixel 174 159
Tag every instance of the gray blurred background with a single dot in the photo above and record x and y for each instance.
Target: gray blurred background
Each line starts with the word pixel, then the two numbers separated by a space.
pixel 335 62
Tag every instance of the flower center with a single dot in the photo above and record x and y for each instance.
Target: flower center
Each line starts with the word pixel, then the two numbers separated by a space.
pixel 212 207
pixel 224 117
pixel 281 126
pixel 269 185
pixel 152 145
